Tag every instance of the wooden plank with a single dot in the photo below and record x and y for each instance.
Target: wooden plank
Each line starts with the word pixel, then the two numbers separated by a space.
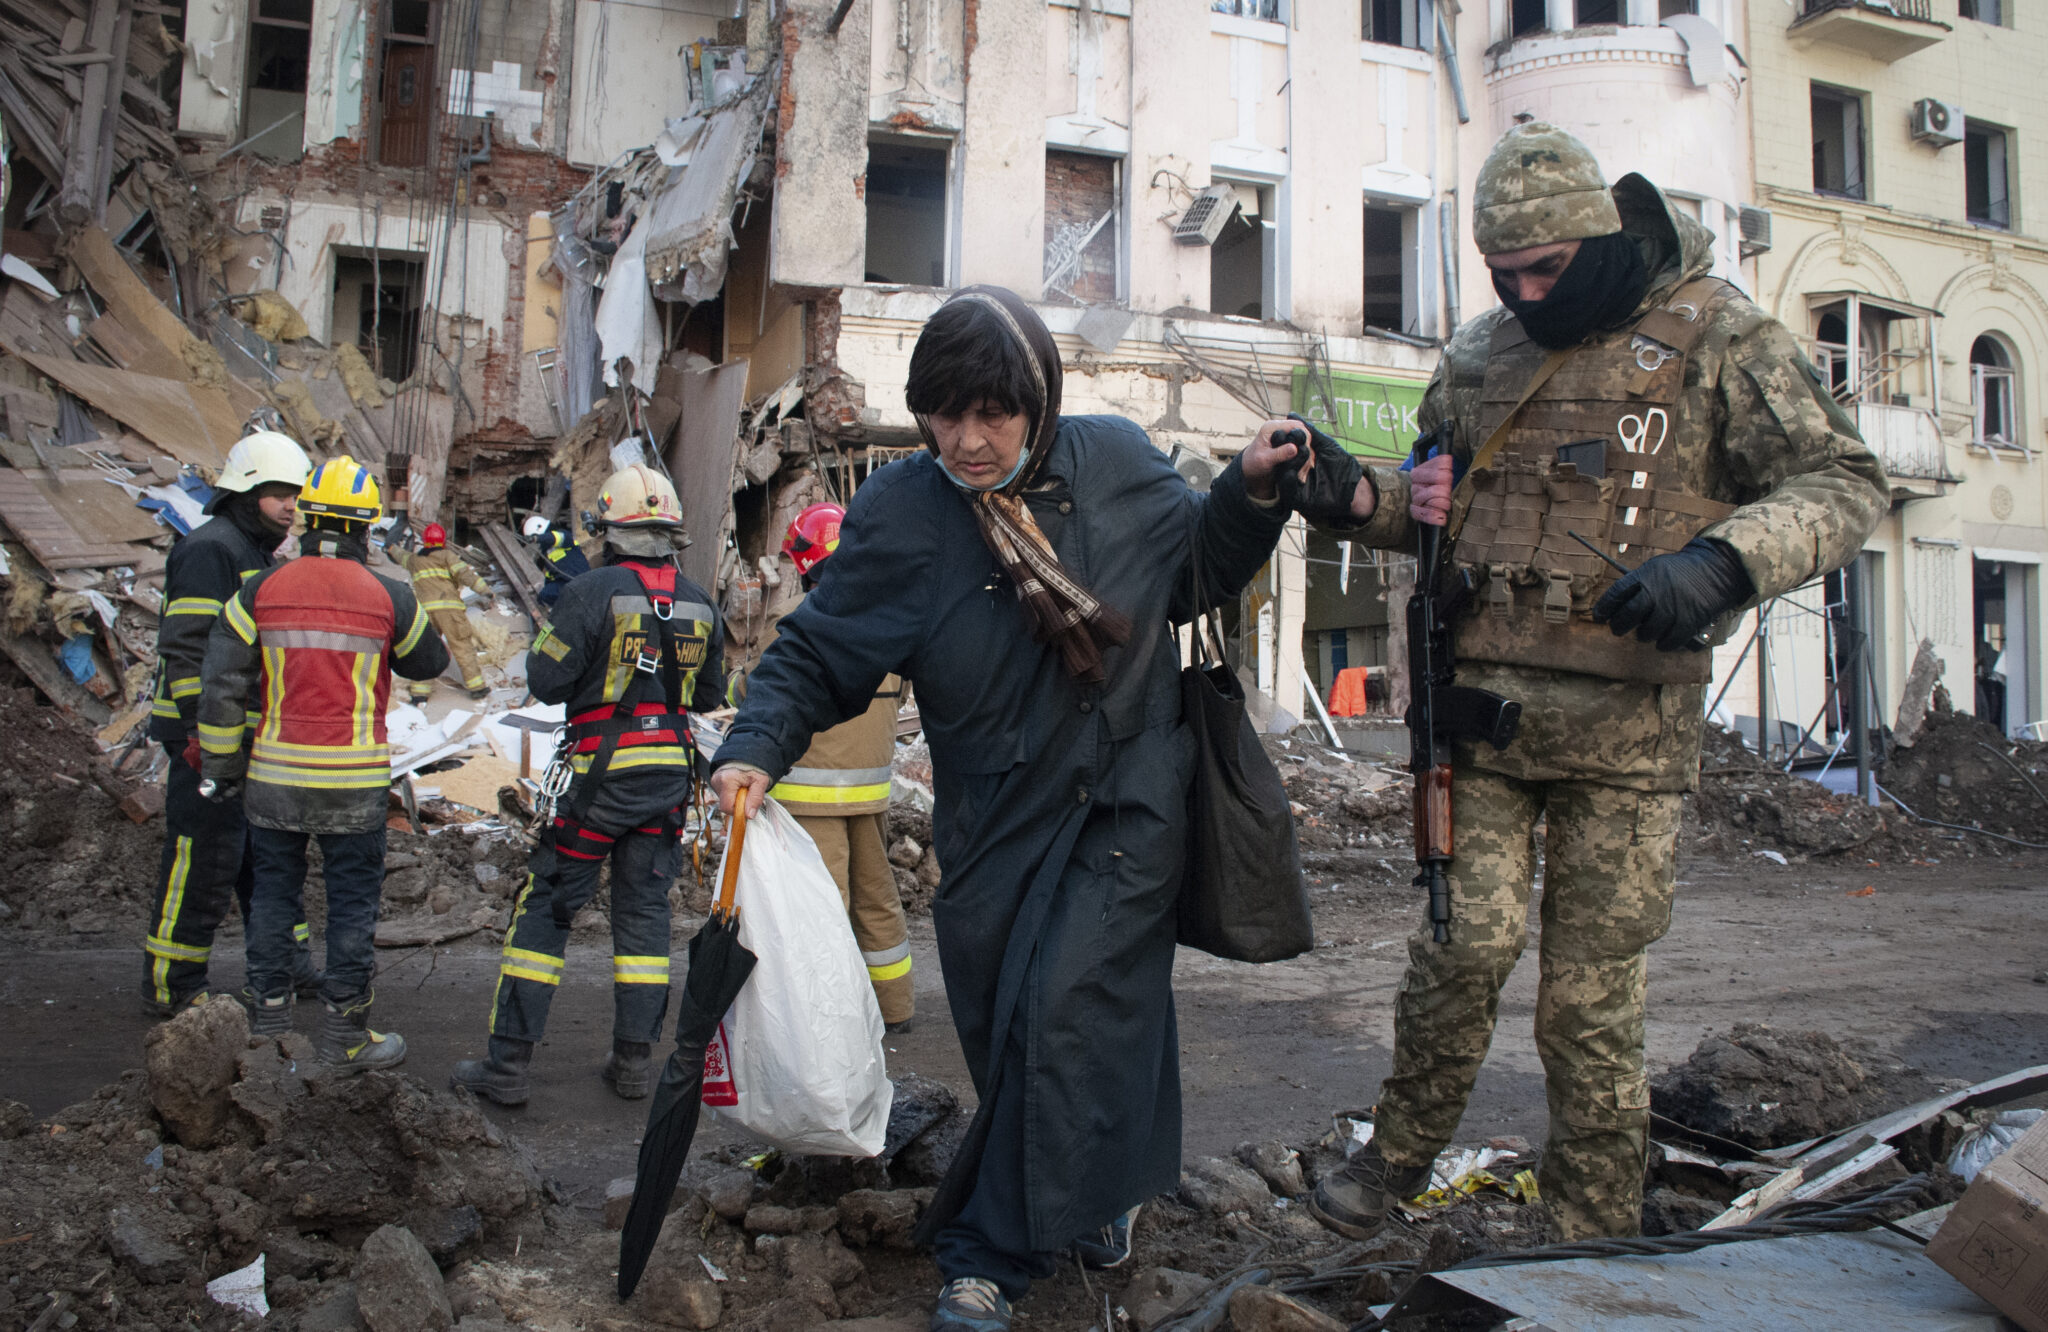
pixel 517 566
pixel 97 509
pixel 54 542
pixel 145 356
pixel 77 202
pixel 40 664
pixel 126 295
pixel 194 423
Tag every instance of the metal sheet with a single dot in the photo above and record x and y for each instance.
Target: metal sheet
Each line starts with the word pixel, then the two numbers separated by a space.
pixel 1873 1281
pixel 700 462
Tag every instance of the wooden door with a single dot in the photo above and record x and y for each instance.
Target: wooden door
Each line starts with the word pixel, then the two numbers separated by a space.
pixel 408 98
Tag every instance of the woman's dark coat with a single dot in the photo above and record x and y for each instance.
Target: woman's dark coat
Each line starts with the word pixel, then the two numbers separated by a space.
pixel 1060 815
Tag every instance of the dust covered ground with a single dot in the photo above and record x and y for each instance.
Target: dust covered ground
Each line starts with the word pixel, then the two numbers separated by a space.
pixel 1877 961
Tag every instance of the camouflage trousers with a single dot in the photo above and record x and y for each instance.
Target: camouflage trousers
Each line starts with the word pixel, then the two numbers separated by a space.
pixel 1609 861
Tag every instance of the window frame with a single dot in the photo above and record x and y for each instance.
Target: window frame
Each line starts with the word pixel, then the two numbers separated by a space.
pixel 1998 146
pixel 1984 374
pixel 1968 9
pixel 949 202
pixel 1415 14
pixel 1854 106
pixel 1238 8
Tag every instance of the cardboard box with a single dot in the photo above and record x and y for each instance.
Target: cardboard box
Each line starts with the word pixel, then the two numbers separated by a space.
pixel 1995 1241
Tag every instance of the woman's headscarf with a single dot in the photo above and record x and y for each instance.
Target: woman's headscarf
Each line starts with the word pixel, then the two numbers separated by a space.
pixel 1063 612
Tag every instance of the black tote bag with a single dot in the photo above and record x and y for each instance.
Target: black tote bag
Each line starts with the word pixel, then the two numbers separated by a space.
pixel 1241 894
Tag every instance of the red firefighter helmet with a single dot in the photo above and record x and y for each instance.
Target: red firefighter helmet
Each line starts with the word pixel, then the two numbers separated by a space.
pixel 813 535
pixel 433 535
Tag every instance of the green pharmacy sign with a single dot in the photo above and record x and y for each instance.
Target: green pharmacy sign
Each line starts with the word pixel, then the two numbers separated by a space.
pixel 1371 416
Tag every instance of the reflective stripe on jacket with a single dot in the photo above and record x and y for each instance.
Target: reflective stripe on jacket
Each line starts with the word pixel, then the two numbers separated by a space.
pixel 438 576
pixel 204 570
pixel 312 644
pixel 846 769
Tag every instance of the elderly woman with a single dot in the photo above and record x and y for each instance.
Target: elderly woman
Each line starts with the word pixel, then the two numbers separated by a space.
pixel 1022 575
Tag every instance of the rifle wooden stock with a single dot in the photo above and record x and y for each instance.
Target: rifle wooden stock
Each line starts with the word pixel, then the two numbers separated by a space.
pixel 1433 814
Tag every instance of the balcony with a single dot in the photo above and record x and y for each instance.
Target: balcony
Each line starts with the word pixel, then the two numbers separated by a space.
pixel 1884 30
pixel 1907 440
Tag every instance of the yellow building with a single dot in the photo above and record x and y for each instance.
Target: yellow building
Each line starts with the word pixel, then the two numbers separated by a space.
pixel 1894 144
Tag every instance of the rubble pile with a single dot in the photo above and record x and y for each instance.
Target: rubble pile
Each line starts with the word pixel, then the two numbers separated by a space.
pixel 123 1207
pixel 1760 1088
pixel 1961 771
pixel 1744 803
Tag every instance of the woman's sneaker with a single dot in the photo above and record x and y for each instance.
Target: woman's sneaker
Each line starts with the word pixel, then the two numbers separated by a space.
pixel 971 1304
pixel 1110 1246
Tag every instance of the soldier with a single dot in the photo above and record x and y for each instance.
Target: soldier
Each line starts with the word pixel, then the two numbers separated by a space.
pixel 634 648
pixel 206 854
pixel 438 577
pixel 1701 449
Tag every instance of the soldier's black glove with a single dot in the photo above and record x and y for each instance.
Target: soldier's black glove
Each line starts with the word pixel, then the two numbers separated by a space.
pixel 1670 600
pixel 1325 498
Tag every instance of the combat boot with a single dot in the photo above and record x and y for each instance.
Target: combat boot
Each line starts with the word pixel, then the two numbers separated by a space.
pixel 1355 1201
pixel 346 1041
pixel 630 1069
pixel 158 1008
pixel 269 1015
pixel 500 1075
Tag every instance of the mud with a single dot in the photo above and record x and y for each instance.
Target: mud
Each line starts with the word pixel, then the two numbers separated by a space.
pixel 1762 1088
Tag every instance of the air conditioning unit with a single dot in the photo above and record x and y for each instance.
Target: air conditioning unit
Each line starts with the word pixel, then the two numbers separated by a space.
pixel 1756 231
pixel 1205 218
pixel 1938 123
pixel 1197 469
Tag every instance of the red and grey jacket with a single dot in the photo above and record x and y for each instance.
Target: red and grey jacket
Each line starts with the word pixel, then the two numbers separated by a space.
pixel 601 655
pixel 310 647
pixel 205 569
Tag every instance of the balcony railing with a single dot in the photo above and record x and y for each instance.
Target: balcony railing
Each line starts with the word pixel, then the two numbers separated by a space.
pixel 1906 440
pixel 1905 9
pixel 1884 30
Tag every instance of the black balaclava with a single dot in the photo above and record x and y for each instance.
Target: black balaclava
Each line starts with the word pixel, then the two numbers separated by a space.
pixel 1599 289
pixel 243 511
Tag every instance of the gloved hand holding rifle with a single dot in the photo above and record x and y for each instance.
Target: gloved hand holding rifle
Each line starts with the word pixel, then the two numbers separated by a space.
pixel 1439 711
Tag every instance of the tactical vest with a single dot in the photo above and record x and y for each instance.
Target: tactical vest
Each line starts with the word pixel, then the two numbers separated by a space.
pixel 1537 584
pixel 658 644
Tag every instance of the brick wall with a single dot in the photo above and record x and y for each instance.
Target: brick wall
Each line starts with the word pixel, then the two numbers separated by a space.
pixel 1079 188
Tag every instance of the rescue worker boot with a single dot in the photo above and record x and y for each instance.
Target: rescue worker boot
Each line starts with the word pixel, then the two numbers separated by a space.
pixel 630 1069
pixel 157 1008
pixel 1355 1201
pixel 269 1015
pixel 307 977
pixel 501 1074
pixel 346 1041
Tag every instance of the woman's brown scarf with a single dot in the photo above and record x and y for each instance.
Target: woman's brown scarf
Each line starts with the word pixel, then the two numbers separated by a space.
pixel 1063 612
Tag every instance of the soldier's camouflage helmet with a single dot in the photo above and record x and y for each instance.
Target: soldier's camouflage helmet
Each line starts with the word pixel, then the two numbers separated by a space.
pixel 1539 186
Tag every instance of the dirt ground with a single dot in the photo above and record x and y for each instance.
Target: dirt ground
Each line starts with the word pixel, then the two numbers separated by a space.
pixel 1917 954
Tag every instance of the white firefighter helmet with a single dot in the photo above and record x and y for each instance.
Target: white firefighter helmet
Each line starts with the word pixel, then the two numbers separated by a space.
pixel 536 527
pixel 263 458
pixel 638 496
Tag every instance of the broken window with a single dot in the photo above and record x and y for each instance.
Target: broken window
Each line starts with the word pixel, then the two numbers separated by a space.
pixel 1389 269
pixel 1081 192
pixel 907 212
pixel 405 102
pixel 1269 10
pixel 280 48
pixel 1591 13
pixel 1986 199
pixel 1837 142
pixel 377 307
pixel 1991 392
pixel 1527 16
pixel 1244 259
pixel 1396 23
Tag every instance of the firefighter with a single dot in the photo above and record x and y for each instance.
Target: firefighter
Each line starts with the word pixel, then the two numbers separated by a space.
pixel 634 647
pixel 313 643
pixel 562 560
pixel 438 577
pixel 205 857
pixel 839 792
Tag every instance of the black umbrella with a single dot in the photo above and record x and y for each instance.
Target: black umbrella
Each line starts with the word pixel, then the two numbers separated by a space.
pixel 718 968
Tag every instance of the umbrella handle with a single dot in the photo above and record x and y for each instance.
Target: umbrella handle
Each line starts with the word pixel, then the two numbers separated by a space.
pixel 736 837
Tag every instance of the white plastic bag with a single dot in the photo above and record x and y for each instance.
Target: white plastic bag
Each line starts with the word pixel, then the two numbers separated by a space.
pixel 798 1058
pixel 1981 1144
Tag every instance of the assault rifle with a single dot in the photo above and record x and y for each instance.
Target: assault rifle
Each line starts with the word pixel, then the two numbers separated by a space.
pixel 1439 711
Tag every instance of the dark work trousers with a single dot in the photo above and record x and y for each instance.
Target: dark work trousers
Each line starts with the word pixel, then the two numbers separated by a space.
pixel 630 823
pixel 353 864
pixel 205 866
pixel 965 1247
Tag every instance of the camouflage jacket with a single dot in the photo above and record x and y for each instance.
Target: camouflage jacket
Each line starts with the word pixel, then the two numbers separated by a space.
pixel 1754 426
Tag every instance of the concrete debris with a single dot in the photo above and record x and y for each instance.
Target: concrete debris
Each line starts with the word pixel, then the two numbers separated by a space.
pixel 1261 1309
pixel 191 1062
pixel 398 1287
